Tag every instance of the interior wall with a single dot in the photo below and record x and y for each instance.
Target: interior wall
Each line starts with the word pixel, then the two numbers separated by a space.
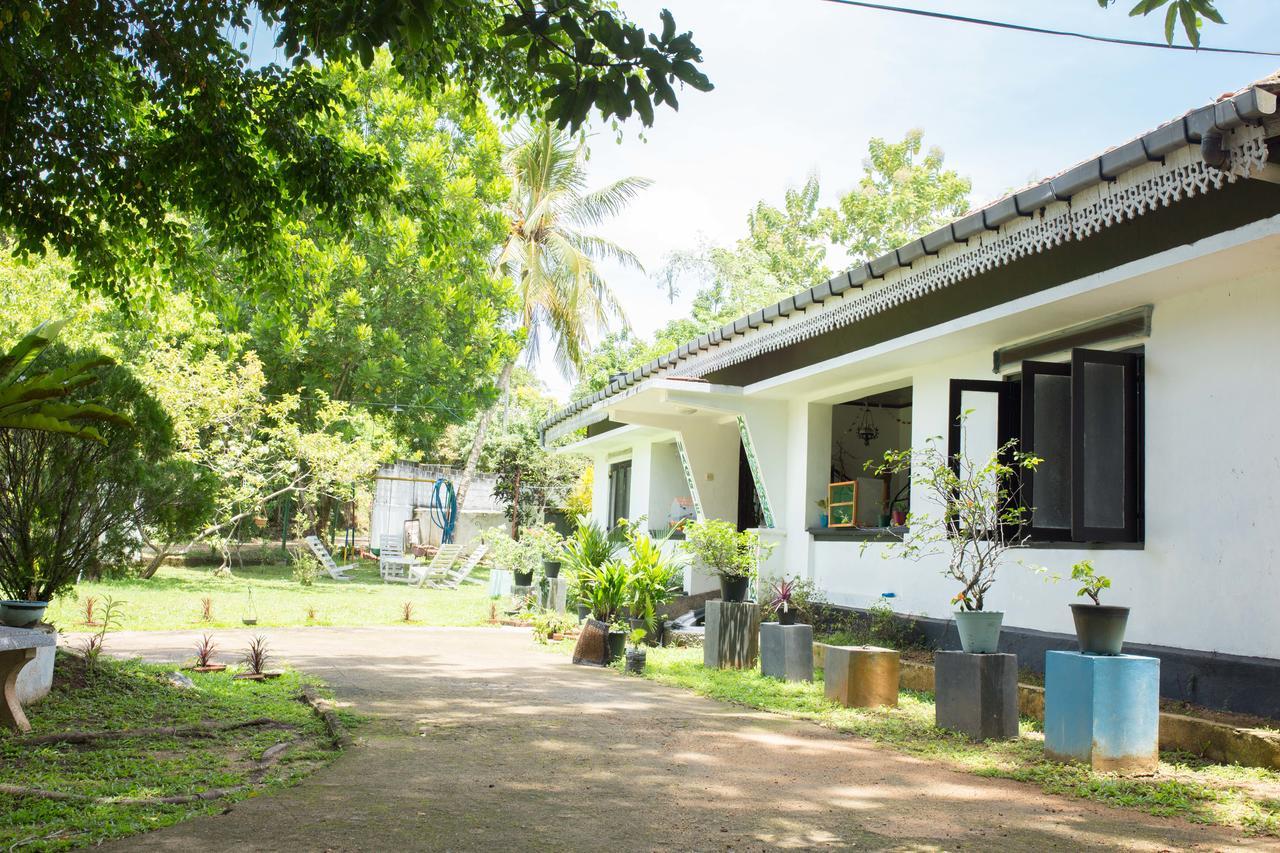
pixel 895 434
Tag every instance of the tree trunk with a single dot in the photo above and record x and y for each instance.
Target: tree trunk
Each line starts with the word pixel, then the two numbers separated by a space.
pixel 477 447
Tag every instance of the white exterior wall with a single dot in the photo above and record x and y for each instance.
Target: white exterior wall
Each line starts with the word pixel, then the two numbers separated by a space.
pixel 1208 577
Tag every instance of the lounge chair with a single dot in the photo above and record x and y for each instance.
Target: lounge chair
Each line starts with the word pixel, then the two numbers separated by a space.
pixel 439 566
pixel 453 580
pixel 338 573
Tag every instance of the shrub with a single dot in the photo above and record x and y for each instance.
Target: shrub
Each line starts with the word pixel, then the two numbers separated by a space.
pixel 306 568
pixel 722 549
pixel 71 506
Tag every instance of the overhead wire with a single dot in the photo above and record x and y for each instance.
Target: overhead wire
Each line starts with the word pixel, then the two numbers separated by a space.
pixel 1026 28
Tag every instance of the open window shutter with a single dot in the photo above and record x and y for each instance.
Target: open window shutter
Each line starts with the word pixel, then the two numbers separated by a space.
pixel 992 420
pixel 1106 421
pixel 1046 432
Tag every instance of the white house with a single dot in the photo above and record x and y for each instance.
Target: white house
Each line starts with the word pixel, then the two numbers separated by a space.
pixel 1121 320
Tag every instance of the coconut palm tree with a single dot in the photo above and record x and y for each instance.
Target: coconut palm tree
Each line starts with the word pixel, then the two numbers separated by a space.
pixel 552 256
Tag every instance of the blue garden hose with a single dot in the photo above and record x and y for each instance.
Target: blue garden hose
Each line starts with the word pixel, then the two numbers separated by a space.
pixel 444 509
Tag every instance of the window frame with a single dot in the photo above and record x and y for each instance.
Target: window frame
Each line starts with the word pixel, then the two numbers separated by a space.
pixel 1134 439
pixel 1015 419
pixel 1026 443
pixel 615 470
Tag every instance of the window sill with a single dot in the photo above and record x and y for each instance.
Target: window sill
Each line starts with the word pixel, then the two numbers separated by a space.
pixel 1058 545
pixel 857 534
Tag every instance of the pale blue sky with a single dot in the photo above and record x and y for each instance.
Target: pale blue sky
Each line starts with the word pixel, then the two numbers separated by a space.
pixel 801 85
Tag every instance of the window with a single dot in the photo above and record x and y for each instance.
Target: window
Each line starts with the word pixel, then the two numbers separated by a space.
pixel 619 491
pixel 862 431
pixel 1084 419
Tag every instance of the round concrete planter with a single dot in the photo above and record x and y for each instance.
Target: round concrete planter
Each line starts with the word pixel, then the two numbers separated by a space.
pixel 979 631
pixel 22 614
pixel 1100 628
pixel 734 588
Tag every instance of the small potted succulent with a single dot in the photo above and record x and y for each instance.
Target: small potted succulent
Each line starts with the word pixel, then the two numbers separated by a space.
pixel 782 601
pixel 1099 627
pixel 725 551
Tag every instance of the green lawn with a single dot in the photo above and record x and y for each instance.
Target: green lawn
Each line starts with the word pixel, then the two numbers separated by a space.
pixel 172 600
pixel 130 695
pixel 1243 797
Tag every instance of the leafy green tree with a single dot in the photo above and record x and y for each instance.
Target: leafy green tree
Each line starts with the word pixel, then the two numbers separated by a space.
pixel 121 119
pixel 70 506
pixel 551 257
pixel 784 249
pixel 512 448
pixel 901 196
pixel 1190 13
pixel 402 312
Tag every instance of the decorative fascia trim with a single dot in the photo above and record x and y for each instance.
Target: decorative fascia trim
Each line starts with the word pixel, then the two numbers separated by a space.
pixel 1183 174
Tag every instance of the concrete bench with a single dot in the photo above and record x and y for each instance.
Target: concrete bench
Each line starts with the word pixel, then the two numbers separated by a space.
pixel 17 648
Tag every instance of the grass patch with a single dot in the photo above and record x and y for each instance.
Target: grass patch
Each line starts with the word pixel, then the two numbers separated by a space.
pixel 172 600
pixel 124 695
pixel 1239 797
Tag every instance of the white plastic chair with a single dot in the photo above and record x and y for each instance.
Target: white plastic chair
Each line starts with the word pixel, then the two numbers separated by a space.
pixel 393 563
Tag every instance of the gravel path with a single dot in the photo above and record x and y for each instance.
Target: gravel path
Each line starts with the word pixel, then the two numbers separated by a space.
pixel 480 741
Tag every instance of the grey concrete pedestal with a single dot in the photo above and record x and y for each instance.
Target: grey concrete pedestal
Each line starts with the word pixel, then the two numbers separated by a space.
pixel 732 639
pixel 977 695
pixel 556 594
pixel 786 651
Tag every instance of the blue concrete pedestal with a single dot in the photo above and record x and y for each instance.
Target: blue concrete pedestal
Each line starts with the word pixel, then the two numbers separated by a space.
pixel 1102 710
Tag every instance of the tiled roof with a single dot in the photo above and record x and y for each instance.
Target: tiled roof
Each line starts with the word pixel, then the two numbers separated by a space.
pixel 1249 106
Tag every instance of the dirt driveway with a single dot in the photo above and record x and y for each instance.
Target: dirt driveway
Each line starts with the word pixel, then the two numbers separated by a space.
pixel 479 741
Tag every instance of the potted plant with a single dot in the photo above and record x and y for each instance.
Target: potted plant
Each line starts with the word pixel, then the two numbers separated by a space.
pixel 205 650
pixel 1099 627
pixel 22 613
pixel 782 601
pixel 822 516
pixel 636 655
pixel 547 542
pixel 654 579
pixel 978 518
pixel 725 551
pixel 255 660
pixel 589 547
pixel 604 590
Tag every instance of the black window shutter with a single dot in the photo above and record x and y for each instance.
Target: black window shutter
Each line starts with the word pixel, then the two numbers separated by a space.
pixel 1007 411
pixel 1105 443
pixel 1046 432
